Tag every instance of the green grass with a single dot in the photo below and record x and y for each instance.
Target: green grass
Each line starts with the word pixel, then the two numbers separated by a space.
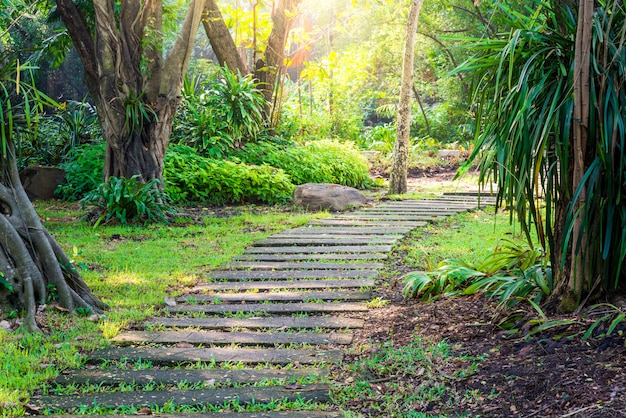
pixel 396 380
pixel 132 269
pixel 466 236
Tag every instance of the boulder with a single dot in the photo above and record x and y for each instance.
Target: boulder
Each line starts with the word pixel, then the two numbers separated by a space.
pixel 449 153
pixel 40 182
pixel 333 197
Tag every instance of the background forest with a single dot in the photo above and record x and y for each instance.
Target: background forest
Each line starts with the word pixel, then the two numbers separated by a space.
pixel 340 84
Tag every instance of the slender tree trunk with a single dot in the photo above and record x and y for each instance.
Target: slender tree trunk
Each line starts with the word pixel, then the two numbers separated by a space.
pixel 399 168
pixel 221 40
pixel 271 67
pixel 576 282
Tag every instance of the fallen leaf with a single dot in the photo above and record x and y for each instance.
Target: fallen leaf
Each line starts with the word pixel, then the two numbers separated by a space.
pixel 170 301
pixel 209 383
pixel 183 344
pixel 144 411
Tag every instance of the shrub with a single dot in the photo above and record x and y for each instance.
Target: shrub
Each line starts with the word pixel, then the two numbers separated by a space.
pixel 192 178
pixel 220 114
pixel 323 161
pixel 84 168
pixel 127 200
pixel 56 135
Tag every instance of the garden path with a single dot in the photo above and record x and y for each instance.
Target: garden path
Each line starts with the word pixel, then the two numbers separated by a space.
pixel 263 329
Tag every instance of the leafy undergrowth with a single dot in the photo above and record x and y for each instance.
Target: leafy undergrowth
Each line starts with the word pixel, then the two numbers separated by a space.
pixel 446 358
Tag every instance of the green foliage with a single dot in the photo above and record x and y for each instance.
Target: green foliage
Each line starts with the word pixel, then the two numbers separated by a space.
pixel 421 372
pixel 127 200
pixel 222 113
pixel 379 138
pixel 136 112
pixel 510 274
pixel 192 178
pixel 84 168
pixel 323 161
pixel 51 140
pixel 607 318
pixel 523 81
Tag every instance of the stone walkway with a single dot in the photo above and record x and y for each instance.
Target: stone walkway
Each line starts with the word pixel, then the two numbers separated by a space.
pixel 263 329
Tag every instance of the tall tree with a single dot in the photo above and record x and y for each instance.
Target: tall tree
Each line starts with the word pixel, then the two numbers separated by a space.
pixel 399 167
pixel 136 89
pixel 538 140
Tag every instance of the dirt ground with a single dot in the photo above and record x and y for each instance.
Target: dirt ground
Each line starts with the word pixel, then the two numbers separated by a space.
pixel 544 375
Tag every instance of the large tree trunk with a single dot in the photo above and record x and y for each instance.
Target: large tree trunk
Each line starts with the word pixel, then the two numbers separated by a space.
pixel 221 40
pixel 136 91
pixel 399 168
pixel 34 267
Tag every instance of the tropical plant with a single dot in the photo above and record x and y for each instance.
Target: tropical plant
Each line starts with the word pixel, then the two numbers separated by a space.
pixel 222 113
pixel 126 200
pixel 77 124
pixel 510 274
pixel 193 178
pixel 322 161
pixel 528 140
pixel 84 169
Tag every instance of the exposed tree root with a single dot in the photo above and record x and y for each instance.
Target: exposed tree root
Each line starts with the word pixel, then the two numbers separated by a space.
pixel 33 265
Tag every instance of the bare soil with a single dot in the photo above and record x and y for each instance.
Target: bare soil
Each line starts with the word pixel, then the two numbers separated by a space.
pixel 543 375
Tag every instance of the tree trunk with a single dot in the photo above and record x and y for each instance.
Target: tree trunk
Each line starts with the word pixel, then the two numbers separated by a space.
pixel 136 91
pixel 399 168
pixel 576 281
pixel 271 67
pixel 221 41
pixel 34 268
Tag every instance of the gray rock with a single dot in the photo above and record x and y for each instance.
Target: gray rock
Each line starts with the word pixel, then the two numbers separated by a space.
pixel 333 197
pixel 449 153
pixel 40 182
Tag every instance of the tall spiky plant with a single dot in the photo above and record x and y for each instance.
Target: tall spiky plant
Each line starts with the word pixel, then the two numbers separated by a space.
pixel 523 91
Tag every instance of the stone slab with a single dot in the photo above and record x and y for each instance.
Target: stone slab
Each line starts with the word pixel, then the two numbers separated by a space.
pixel 375 223
pixel 286 284
pixel 270 414
pixel 311 240
pixel 244 395
pixel 333 322
pixel 276 308
pixel 173 376
pixel 236 337
pixel 390 217
pixel 320 249
pixel 354 230
pixel 285 265
pixel 293 274
pixel 311 257
pixel 169 355
pixel 274 296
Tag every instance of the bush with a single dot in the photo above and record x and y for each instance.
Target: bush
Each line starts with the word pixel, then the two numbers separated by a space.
pixel 55 136
pixel 323 161
pixel 192 178
pixel 222 113
pixel 84 168
pixel 127 200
